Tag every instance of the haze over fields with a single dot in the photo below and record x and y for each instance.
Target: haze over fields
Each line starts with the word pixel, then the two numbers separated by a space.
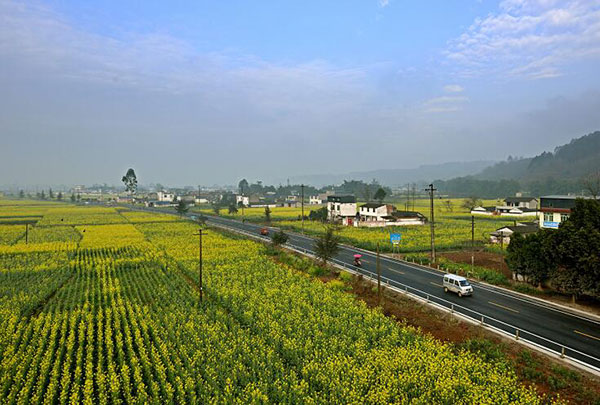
pixel 210 92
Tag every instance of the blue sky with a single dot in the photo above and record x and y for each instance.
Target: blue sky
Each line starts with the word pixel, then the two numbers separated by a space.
pixel 312 86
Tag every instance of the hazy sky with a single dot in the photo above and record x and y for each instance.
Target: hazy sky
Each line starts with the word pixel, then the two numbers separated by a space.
pixel 203 92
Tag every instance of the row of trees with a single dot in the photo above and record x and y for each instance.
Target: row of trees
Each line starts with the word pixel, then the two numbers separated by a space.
pixel 568 258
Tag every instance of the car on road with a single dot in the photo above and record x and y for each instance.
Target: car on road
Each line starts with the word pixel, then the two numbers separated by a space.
pixel 264 231
pixel 457 284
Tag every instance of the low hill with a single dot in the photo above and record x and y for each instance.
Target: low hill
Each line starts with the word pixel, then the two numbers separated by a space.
pixel 558 172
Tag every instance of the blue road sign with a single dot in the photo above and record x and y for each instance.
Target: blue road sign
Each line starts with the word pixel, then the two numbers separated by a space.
pixel 395 238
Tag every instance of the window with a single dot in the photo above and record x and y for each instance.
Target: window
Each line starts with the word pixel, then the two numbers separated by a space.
pixel 464 283
pixel 564 217
pixel 548 217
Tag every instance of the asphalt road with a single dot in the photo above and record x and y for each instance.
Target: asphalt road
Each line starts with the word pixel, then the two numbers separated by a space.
pixel 544 324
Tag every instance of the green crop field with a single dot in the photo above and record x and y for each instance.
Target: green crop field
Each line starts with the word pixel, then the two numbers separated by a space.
pixel 101 306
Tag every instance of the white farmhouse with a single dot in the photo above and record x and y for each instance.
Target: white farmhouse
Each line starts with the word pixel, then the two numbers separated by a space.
pixel 375 211
pixel 341 208
pixel 165 196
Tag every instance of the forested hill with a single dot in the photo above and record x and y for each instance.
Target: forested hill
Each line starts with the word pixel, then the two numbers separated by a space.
pixel 558 172
pixel 568 162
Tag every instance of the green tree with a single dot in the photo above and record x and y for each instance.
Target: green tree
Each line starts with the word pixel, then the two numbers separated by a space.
pixel 42 195
pixel 59 196
pixel 470 203
pixel 267 214
pixel 327 245
pixel 181 207
pixel 232 209
pixel 130 182
pixel 21 194
pixel 50 194
pixel 78 197
pixel 380 194
pixel 73 197
pixel 243 186
pixel 216 208
pixel 577 246
pixel 318 215
pixel 279 238
pixel 531 256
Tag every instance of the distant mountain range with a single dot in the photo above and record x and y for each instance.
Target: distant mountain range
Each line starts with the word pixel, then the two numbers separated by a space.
pixel 397 177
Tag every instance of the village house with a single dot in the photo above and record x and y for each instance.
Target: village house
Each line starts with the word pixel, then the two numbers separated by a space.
pixel 164 196
pixel 375 211
pixel 555 209
pixel 341 208
pixel 503 235
pixel 242 200
pixel 521 202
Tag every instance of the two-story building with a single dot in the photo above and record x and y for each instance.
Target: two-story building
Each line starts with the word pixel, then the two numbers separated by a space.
pixel 165 196
pixel 341 208
pixel 375 211
pixel 555 209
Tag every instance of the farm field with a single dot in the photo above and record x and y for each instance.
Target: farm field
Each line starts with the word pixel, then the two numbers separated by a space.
pixel 113 317
pixel 453 228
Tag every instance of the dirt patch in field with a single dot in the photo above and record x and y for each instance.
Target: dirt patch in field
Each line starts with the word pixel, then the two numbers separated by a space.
pixel 494 261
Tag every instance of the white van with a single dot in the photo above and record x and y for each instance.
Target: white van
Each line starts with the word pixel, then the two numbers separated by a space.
pixel 457 284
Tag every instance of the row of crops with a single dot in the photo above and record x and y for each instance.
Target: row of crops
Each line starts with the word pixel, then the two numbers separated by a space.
pixel 115 318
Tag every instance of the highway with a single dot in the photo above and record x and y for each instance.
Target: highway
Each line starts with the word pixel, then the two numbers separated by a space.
pixel 541 323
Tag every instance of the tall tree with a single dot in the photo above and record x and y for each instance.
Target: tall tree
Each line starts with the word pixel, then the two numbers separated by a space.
pixel 21 194
pixel 73 197
pixel 59 196
pixel 232 209
pixel 130 182
pixel 50 194
pixel 243 186
pixel 532 256
pixel 181 207
pixel 327 245
pixel 577 247
pixel 42 195
pixel 268 214
pixel 380 194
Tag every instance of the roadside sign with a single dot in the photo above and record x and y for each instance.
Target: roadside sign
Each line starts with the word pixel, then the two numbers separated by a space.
pixel 395 238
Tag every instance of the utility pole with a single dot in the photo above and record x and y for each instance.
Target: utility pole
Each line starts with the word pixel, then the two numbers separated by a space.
pixel 378 276
pixel 472 243
pixel 200 263
pixel 302 203
pixel 432 223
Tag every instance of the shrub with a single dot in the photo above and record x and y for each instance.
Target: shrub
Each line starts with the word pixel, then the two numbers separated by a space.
pixel 346 277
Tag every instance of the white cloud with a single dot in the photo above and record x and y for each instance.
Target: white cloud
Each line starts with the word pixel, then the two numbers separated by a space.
pixel 529 38
pixel 35 36
pixel 444 104
pixel 453 88
pixel 383 3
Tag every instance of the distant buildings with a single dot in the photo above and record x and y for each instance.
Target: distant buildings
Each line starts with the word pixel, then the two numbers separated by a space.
pixel 513 206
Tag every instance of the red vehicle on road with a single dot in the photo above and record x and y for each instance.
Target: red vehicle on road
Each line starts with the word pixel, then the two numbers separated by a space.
pixel 264 231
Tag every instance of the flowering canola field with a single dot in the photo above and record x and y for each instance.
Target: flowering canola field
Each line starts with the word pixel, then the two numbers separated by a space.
pixel 114 318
